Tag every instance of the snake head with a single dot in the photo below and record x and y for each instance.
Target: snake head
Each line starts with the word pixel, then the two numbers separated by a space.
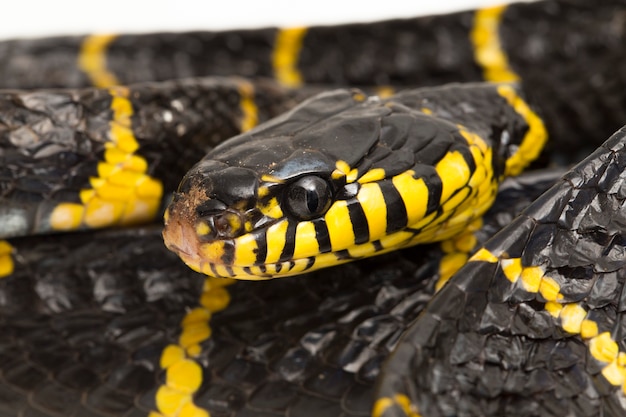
pixel 233 220
pixel 338 178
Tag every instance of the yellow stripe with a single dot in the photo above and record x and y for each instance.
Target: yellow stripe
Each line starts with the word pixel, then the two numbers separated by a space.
pixel 399 400
pixel 276 239
pixel 92 60
pixel 385 91
pixel 123 194
pixel 183 374
pixel 488 52
pixel 456 253
pixel 534 139
pixel 414 193
pixel 454 174
pixel 6 259
pixel 381 406
pixel 484 255
pixel 249 110
pixel 245 250
pixel 573 317
pixel 305 241
pixel 285 56
pixel 340 229
pixel 372 200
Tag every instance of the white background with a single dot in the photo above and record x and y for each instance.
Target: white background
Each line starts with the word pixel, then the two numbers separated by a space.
pixel 31 18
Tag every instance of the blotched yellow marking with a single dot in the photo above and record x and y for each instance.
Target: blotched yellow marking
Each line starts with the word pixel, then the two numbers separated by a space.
pixel 448 265
pixel 588 329
pixel 456 253
pixel 287 48
pixel 249 110
pixel 123 193
pixel 372 201
pixel 271 209
pixel 549 289
pixel 488 52
pixel 484 255
pixel 535 138
pixel 573 317
pixel 92 60
pixel 342 169
pixel 271 179
pixel 512 268
pixel 183 374
pixel 395 241
pixel 414 193
pixel 340 229
pixel 381 405
pixel 454 174
pixel 531 278
pixel 490 56
pixel 276 240
pixel 202 229
pixel 466 242
pixel 363 250
pixel 399 400
pixel 375 174
pixel 245 250
pixel 603 347
pixel 466 194
pixel 385 91
pixel 213 251
pixel 6 259
pixel 305 241
pixel 614 373
pixel 553 308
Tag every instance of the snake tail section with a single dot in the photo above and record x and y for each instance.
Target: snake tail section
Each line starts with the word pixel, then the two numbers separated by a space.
pixel 344 176
pixel 532 324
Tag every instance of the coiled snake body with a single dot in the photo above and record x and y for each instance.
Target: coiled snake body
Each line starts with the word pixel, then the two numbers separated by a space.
pixel 492 314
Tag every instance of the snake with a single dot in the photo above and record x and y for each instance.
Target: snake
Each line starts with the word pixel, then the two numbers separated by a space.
pixel 438 192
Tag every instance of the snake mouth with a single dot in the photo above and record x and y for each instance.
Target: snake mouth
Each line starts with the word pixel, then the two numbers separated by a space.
pixel 209 257
pixel 220 257
pixel 223 258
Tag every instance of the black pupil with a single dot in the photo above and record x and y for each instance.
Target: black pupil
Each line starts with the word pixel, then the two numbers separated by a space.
pixel 308 197
pixel 312 201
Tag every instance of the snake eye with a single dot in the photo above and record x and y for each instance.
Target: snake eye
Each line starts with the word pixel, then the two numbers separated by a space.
pixel 308 197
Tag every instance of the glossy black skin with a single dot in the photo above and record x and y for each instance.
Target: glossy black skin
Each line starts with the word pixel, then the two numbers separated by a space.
pixel 563 50
pixel 85 318
pixel 58 335
pixel 540 369
pixel 395 135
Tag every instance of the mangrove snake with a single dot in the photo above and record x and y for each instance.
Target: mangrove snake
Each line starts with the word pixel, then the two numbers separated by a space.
pixel 492 314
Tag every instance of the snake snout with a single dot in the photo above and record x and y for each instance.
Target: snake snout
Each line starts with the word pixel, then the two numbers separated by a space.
pixel 179 237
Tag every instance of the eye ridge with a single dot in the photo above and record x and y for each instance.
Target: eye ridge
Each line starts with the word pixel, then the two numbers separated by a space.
pixel 308 197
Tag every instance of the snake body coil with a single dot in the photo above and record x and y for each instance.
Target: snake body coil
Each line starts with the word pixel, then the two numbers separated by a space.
pixel 494 313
